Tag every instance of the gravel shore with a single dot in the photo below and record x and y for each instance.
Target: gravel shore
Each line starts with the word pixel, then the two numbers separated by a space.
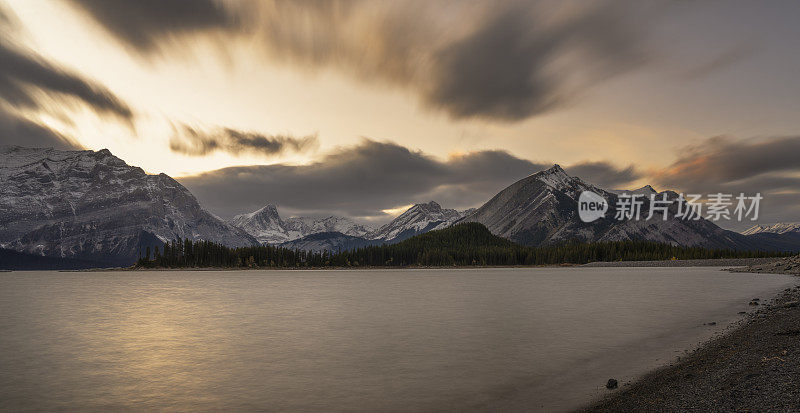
pixel 788 265
pixel 719 262
pixel 753 368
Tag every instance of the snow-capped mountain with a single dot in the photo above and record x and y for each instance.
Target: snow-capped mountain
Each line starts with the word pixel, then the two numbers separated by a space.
pixel 92 205
pixel 328 241
pixel 543 209
pixel 268 227
pixel 416 220
pixel 342 225
pixel 265 225
pixel 779 228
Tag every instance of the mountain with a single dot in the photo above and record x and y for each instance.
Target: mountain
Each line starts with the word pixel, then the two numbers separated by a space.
pixel 328 241
pixel 646 190
pixel 93 206
pixel 342 225
pixel 779 228
pixel 418 219
pixel 268 227
pixel 543 209
pixel 265 225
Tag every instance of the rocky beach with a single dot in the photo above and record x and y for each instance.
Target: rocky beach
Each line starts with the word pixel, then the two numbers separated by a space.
pixel 753 367
pixel 788 265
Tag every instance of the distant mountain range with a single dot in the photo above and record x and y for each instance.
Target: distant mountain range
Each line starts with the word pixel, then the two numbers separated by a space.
pixel 89 206
pixel 334 233
pixel 268 227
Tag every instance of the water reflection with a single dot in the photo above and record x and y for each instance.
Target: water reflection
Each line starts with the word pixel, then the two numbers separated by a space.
pixel 518 339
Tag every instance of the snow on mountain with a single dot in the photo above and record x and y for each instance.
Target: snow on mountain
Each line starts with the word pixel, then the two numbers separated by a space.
pixel 416 220
pixel 268 227
pixel 92 205
pixel 543 209
pixel 264 224
pixel 779 228
pixel 329 241
pixel 342 225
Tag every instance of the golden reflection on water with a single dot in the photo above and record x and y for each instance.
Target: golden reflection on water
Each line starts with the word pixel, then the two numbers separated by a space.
pixel 346 340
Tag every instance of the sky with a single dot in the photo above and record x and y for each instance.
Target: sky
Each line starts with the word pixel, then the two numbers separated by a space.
pixel 362 108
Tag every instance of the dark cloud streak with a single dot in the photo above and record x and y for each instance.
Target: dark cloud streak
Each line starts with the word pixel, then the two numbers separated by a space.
pixel 29 81
pixel 501 61
pixel 770 166
pixel 143 24
pixel 22 70
pixel 725 160
pixel 17 130
pixel 604 174
pixel 362 180
pixel 195 142
pixel 506 70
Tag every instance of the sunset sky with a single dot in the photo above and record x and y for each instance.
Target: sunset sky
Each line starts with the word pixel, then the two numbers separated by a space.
pixel 361 108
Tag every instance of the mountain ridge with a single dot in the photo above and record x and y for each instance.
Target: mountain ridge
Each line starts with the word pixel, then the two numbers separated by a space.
pixel 542 209
pixel 267 226
pixel 92 205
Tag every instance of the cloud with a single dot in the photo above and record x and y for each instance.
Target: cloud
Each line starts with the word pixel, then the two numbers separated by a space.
pixel 726 160
pixel 23 72
pixel 28 81
pixel 508 69
pixel 144 24
pixel 723 60
pixel 769 166
pixel 17 130
pixel 362 180
pixel 195 142
pixel 604 174
pixel 503 61
pixel 499 61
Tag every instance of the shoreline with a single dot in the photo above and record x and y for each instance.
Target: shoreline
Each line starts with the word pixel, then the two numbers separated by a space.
pixel 752 366
pixel 712 262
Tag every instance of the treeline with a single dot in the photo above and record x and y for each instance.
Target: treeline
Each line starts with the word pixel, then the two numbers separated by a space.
pixel 469 244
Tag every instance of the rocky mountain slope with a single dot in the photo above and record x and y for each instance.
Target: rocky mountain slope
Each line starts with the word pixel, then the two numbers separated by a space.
pixel 268 227
pixel 93 206
pixel 329 241
pixel 543 209
pixel 646 190
pixel 416 220
pixel 779 228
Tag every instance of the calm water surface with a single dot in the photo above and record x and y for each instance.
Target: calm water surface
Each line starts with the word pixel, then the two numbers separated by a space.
pixel 412 340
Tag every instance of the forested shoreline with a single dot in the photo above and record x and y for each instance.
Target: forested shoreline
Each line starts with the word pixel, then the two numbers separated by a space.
pixel 469 244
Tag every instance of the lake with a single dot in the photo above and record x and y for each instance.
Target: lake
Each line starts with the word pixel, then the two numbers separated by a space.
pixel 369 340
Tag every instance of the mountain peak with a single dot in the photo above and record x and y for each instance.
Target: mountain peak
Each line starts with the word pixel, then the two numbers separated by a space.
pixel 271 208
pixel 647 188
pixel 432 205
pixel 416 220
pixel 555 177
